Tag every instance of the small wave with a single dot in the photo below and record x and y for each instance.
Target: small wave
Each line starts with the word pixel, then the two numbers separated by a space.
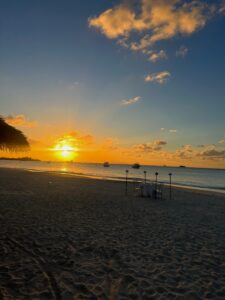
pixel 138 180
pixel 185 178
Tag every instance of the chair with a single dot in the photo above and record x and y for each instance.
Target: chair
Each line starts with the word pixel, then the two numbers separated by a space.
pixel 145 190
pixel 159 191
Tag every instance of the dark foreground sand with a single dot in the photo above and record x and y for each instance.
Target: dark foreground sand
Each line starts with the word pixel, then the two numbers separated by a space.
pixel 74 238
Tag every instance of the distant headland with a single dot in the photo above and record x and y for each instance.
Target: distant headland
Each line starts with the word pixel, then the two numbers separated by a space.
pixel 20 158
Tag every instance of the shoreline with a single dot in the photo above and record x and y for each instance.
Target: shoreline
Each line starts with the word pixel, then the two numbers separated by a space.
pixel 120 179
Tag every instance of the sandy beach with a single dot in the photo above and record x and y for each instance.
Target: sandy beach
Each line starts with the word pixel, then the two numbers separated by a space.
pixel 65 237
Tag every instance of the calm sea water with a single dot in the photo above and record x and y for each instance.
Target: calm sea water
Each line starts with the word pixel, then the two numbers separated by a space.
pixel 193 177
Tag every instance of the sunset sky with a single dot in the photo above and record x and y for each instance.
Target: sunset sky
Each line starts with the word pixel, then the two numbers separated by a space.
pixel 120 81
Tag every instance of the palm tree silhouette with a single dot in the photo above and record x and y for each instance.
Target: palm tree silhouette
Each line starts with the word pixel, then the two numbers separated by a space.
pixel 11 139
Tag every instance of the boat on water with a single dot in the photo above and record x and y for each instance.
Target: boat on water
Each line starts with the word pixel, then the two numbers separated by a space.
pixel 106 164
pixel 135 166
pixel 182 166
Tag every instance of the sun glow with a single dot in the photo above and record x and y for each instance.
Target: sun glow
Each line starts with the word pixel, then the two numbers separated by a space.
pixel 65 151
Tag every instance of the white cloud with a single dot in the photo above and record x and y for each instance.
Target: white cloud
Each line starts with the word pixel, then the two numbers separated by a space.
pixel 130 101
pixel 222 8
pixel 168 130
pixel 221 142
pixel 160 77
pixel 73 85
pixel 182 51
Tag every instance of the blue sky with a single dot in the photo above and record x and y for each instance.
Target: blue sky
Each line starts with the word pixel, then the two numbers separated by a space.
pixel 54 68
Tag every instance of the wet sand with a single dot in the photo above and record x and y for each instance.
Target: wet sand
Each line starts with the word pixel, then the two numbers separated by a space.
pixel 64 237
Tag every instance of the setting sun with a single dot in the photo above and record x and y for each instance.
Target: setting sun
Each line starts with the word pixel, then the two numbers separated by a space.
pixel 65 151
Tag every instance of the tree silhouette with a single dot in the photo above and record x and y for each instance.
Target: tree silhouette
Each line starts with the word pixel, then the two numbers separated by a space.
pixel 11 139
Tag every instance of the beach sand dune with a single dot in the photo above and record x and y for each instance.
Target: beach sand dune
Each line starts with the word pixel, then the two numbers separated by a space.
pixel 64 237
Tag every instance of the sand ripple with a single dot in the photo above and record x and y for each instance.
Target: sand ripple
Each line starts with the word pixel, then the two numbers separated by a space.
pixel 66 238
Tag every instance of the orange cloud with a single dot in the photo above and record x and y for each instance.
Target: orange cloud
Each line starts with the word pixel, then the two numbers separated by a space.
pixel 160 77
pixel 212 154
pixel 150 147
pixel 157 20
pixel 20 120
pixel 117 21
pixel 185 152
pixel 155 56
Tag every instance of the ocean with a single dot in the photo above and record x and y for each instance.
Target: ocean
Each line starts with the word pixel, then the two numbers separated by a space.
pixel 190 177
